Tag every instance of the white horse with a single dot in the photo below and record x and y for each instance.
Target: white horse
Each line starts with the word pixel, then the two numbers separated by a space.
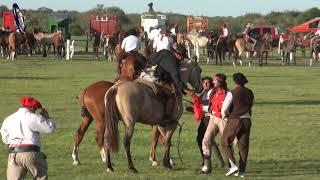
pixel 197 41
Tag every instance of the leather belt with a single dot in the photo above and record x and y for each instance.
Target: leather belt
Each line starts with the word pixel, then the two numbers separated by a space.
pixel 29 148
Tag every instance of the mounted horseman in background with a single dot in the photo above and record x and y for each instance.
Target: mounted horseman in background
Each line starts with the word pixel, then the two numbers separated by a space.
pixel 314 45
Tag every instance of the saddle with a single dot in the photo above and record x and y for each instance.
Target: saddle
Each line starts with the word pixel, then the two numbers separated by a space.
pixel 164 91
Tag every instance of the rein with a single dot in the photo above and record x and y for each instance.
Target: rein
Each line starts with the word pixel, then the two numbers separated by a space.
pixel 180 129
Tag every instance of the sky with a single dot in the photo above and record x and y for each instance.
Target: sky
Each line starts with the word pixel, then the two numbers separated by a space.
pixel 188 7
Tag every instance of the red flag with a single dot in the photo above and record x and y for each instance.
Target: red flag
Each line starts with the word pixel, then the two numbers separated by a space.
pixel 197 108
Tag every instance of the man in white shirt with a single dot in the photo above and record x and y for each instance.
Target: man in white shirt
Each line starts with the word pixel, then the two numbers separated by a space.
pixel 163 42
pixel 315 38
pixel 236 108
pixel 223 37
pixel 155 33
pixel 225 31
pixel 21 133
pixel 131 42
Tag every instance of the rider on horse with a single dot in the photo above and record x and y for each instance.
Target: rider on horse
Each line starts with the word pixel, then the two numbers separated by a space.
pixel 168 70
pixel 249 37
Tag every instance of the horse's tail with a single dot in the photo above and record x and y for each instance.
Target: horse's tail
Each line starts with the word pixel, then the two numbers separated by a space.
pixel 111 119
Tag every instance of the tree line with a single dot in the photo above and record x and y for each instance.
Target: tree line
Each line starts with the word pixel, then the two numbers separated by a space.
pixel 78 21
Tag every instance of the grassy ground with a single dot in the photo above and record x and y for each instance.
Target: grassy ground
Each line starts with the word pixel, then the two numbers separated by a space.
pixel 285 126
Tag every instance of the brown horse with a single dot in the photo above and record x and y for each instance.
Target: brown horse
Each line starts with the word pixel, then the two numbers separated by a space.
pixel 46 40
pixel 92 103
pixel 15 40
pixel 122 102
pixel 288 47
pixel 4 41
pixel 30 42
pixel 260 49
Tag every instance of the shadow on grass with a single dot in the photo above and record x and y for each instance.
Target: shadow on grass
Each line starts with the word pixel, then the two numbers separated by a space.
pixel 294 102
pixel 272 168
pixel 28 78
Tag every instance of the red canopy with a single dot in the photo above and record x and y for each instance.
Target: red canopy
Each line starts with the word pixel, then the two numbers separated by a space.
pixel 309 26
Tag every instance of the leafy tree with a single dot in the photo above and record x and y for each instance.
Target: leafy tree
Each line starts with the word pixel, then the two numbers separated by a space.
pixel 3 8
pixel 309 14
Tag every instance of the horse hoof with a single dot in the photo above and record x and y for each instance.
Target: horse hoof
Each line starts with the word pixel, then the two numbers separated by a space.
pixel 172 163
pixel 133 170
pixel 109 169
pixel 76 163
pixel 154 163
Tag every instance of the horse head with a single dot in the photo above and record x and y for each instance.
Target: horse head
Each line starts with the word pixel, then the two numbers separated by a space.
pixel 190 72
pixel 130 65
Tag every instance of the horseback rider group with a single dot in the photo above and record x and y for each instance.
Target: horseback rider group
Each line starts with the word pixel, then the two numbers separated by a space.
pixel 165 59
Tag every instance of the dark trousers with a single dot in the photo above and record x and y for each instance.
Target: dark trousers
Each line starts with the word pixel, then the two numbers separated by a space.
pixel 239 128
pixel 201 131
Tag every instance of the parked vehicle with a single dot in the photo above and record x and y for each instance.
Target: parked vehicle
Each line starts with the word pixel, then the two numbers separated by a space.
pixel 102 24
pixel 257 31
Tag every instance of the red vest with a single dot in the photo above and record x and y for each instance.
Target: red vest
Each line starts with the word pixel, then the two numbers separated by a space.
pixel 216 102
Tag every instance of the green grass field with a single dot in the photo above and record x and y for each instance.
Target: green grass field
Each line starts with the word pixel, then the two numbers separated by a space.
pixel 285 123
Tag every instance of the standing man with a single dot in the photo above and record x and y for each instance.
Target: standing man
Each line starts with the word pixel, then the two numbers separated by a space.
pixel 216 123
pixel 204 99
pixel 236 109
pixel 21 133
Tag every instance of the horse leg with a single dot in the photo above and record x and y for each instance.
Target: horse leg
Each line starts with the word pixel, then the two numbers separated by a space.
pixel 217 54
pixel 127 143
pixel 100 127
pixel 13 54
pixel 154 142
pixel 86 121
pixel 167 145
pixel 108 162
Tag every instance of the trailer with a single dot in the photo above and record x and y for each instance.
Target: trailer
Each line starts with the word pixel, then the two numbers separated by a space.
pixel 103 25
pixel 152 19
pixel 196 23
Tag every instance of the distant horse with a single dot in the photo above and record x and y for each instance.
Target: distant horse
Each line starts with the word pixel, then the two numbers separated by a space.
pixel 30 42
pixel 288 47
pixel 15 40
pixel 220 45
pixel 96 44
pixel 122 102
pixel 314 47
pixel 92 103
pixel 111 43
pixel 198 42
pixel 304 43
pixel 211 47
pixel 4 41
pixel 47 40
pixel 262 47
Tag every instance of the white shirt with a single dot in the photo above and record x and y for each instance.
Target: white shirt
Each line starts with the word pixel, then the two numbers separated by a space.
pixel 164 42
pixel 226 106
pixel 225 32
pixel 24 127
pixel 155 33
pixel 317 32
pixel 173 31
pixel 207 96
pixel 131 43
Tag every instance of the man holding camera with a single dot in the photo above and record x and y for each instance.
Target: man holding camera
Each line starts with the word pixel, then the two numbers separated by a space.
pixel 21 133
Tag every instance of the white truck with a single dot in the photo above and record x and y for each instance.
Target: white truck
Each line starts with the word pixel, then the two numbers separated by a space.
pixel 152 19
